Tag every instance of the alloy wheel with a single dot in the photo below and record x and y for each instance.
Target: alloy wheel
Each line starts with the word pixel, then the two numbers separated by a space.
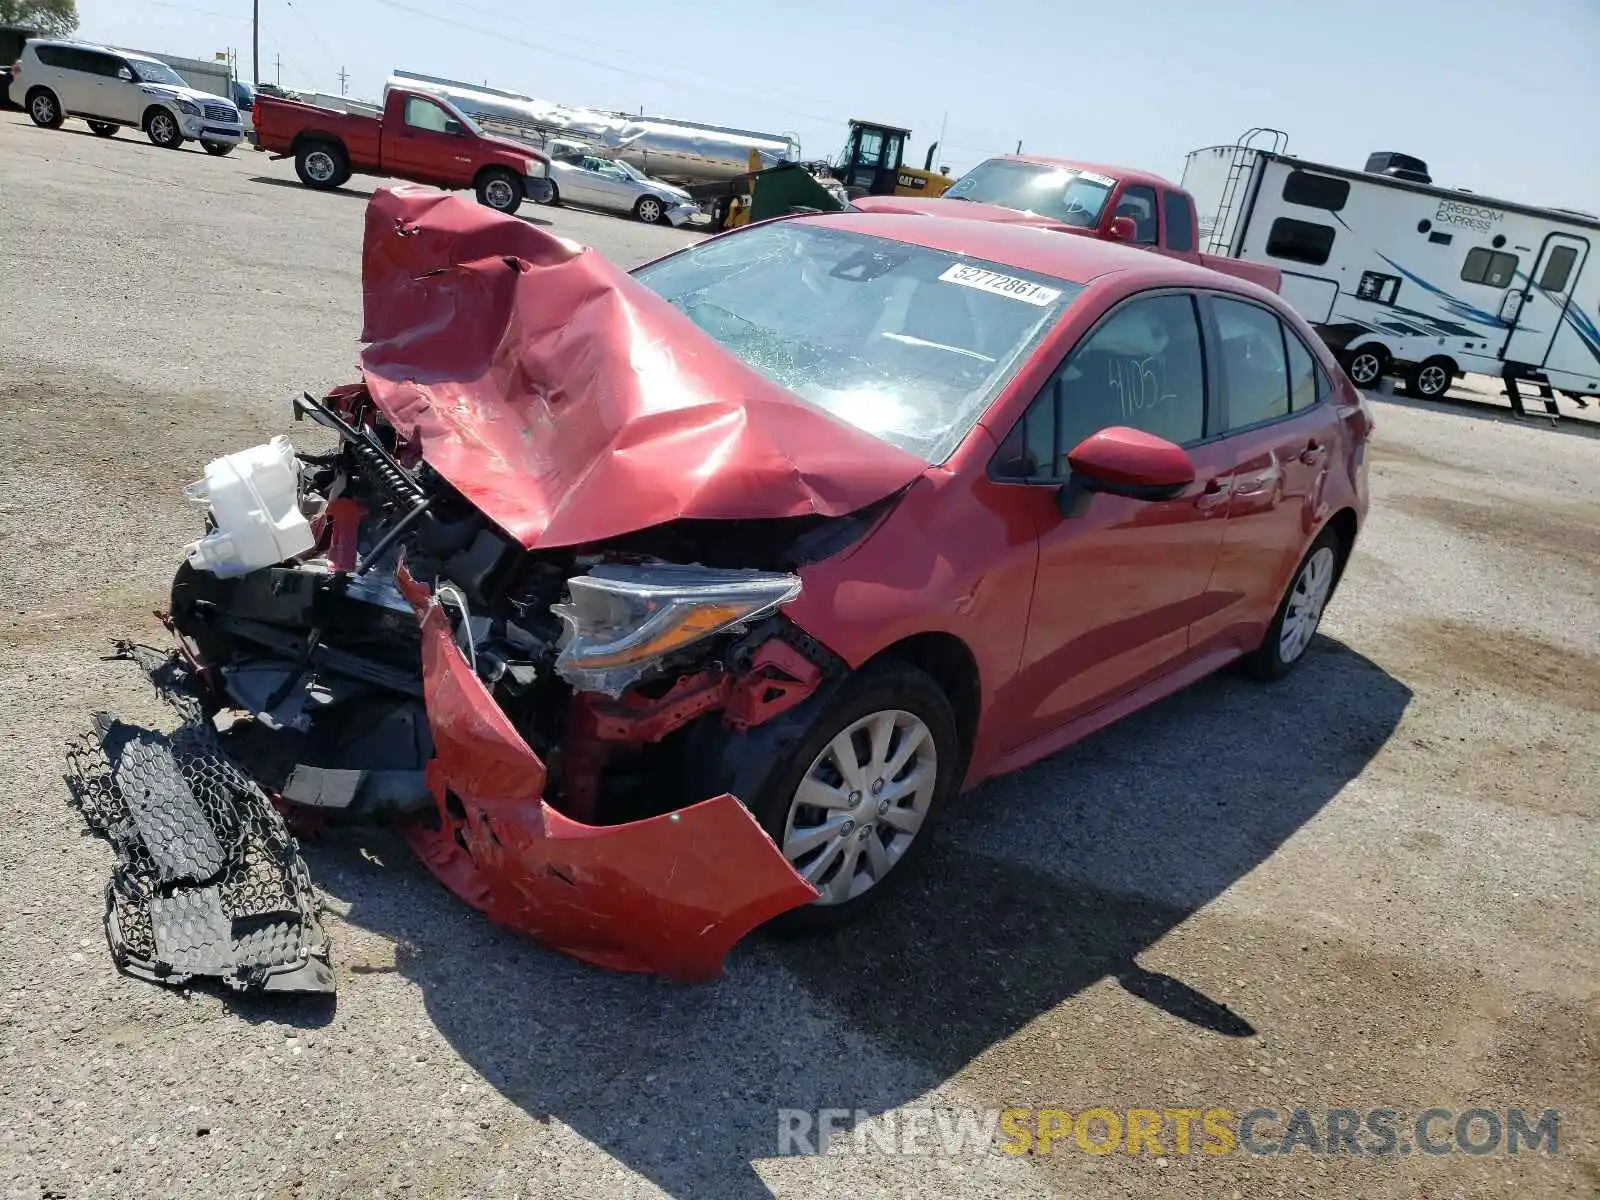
pixel 499 194
pixel 1365 368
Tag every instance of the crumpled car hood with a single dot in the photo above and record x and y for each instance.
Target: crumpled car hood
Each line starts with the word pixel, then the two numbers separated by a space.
pixel 572 404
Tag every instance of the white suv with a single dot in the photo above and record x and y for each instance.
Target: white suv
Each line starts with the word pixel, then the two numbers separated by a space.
pixel 112 89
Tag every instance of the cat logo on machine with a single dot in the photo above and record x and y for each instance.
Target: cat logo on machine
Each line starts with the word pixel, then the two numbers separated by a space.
pixel 911 181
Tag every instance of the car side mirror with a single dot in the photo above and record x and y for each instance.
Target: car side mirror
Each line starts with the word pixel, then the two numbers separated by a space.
pixel 1123 229
pixel 1120 461
pixel 125 75
pixel 453 128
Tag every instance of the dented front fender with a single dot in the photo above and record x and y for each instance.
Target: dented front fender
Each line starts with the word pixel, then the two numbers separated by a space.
pixel 670 894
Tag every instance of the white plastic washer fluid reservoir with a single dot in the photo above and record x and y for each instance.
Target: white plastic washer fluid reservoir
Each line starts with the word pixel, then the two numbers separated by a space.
pixel 255 497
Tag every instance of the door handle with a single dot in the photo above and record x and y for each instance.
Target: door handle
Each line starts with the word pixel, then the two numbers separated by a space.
pixel 1213 495
pixel 1313 453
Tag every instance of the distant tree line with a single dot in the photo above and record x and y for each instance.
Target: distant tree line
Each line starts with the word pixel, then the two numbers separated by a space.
pixel 52 17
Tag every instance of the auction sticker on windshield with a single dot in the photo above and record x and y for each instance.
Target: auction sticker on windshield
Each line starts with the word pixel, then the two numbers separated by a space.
pixel 1000 285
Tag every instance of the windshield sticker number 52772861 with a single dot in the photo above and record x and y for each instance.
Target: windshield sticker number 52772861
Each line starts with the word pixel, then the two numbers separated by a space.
pixel 1000 285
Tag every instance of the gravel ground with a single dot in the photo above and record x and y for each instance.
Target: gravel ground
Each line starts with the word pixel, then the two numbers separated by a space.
pixel 1372 886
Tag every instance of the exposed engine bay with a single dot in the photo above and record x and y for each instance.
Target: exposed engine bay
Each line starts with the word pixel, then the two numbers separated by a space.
pixel 601 656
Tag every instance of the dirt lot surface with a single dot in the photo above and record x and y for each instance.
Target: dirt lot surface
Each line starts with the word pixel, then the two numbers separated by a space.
pixel 1373 886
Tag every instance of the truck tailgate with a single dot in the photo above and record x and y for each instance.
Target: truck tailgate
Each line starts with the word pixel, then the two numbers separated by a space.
pixel 1268 277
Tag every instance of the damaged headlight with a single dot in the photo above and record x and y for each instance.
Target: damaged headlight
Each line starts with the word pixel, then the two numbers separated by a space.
pixel 622 620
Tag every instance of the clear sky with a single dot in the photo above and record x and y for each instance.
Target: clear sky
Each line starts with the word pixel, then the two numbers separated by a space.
pixel 1500 96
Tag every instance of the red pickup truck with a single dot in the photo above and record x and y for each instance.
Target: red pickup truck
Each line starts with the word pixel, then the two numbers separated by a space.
pixel 419 137
pixel 1113 203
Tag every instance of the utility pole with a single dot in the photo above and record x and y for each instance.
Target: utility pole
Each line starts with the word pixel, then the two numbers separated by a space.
pixel 1019 146
pixel 255 41
pixel 343 77
pixel 279 67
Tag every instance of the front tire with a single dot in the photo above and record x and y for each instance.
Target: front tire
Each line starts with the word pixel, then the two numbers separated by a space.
pixel 103 129
pixel 650 210
pixel 217 149
pixel 852 803
pixel 1366 366
pixel 44 109
pixel 1299 613
pixel 163 130
pixel 555 195
pixel 500 190
pixel 1430 380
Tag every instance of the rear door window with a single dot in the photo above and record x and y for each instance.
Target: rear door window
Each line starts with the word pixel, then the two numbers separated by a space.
pixel 1255 374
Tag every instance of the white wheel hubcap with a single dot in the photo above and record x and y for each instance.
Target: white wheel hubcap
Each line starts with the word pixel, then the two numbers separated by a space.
pixel 320 166
pixel 1432 380
pixel 861 804
pixel 1364 368
pixel 1306 598
pixel 650 210
pixel 498 193
pixel 163 128
pixel 43 109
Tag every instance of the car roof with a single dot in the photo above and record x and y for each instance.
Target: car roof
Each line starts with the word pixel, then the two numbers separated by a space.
pixel 1125 174
pixel 1075 258
pixel 80 44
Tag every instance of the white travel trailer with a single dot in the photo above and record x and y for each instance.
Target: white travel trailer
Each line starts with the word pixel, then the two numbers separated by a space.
pixel 1401 276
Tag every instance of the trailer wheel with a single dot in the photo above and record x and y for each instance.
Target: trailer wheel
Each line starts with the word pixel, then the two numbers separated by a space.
pixel 1430 379
pixel 500 190
pixel 1366 365
pixel 321 164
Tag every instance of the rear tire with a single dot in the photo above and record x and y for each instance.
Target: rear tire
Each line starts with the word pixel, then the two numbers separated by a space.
pixel 1299 613
pixel 1366 365
pixel 103 128
pixel 163 130
pixel 500 190
pixel 217 149
pixel 1431 379
pixel 44 109
pixel 321 165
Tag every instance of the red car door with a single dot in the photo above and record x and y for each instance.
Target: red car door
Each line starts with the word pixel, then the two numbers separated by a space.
pixel 1282 437
pixel 428 145
pixel 1120 582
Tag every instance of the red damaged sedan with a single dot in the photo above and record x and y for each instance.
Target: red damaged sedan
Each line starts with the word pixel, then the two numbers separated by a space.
pixel 662 605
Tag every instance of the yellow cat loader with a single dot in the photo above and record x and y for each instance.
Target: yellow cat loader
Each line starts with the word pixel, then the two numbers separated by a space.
pixel 872 164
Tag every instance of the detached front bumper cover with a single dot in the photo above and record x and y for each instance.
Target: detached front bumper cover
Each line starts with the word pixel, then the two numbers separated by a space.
pixel 669 894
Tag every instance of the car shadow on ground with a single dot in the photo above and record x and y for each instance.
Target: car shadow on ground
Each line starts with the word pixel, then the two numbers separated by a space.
pixel 1042 884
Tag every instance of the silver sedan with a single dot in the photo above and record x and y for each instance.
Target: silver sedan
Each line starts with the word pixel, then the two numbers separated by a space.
pixel 611 183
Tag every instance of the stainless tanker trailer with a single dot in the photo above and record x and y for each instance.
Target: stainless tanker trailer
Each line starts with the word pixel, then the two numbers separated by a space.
pixel 681 152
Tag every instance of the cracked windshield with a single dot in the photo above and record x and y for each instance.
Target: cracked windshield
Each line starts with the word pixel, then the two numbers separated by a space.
pixel 906 343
